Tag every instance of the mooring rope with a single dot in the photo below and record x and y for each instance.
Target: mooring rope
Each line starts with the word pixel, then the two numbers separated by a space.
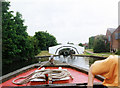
pixel 40 74
pixel 27 77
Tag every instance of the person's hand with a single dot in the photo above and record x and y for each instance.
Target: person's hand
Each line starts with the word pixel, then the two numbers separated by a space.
pixel 90 78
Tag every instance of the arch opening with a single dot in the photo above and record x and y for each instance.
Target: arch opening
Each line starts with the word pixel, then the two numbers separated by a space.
pixel 67 47
pixel 66 52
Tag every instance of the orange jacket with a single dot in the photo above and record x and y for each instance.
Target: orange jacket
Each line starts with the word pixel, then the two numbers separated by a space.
pixel 107 68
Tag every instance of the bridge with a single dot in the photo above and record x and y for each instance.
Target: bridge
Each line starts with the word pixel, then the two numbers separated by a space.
pixel 55 49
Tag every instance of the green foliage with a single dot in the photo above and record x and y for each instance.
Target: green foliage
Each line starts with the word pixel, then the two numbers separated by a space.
pixel 80 44
pixel 35 44
pixel 45 40
pixel 41 39
pixel 118 52
pixel 16 44
pixel 107 47
pixel 91 42
pixel 100 44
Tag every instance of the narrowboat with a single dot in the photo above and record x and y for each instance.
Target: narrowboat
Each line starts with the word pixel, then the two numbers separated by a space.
pixel 44 74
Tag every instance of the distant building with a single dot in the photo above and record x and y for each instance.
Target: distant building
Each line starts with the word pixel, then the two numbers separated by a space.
pixel 85 45
pixel 109 35
pixel 113 37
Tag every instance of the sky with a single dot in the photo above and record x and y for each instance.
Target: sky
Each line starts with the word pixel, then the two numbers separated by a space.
pixel 71 21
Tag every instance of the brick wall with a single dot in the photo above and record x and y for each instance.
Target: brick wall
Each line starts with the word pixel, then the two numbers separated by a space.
pixel 116 42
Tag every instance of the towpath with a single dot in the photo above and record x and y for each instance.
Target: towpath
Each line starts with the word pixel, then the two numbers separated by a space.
pixel 90 52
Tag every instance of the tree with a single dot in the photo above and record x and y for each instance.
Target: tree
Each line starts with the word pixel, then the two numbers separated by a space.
pixel 100 44
pixel 80 44
pixel 45 40
pixel 107 45
pixel 35 43
pixel 8 48
pixel 41 39
pixel 16 44
pixel 91 42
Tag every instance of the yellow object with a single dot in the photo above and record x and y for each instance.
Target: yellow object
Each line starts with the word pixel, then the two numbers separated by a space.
pixel 107 68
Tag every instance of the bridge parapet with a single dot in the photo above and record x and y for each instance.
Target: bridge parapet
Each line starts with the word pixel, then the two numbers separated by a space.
pixel 55 49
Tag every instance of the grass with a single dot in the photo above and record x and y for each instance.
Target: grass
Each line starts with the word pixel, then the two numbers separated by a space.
pixel 44 53
pixel 44 59
pixel 98 54
pixel 90 50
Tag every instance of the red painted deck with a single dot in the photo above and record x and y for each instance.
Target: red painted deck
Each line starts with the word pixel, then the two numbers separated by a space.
pixel 79 77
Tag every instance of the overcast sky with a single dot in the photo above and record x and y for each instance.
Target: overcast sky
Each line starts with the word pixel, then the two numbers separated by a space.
pixel 68 20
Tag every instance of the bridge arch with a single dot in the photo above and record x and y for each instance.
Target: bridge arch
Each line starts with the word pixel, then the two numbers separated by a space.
pixel 63 47
pixel 55 49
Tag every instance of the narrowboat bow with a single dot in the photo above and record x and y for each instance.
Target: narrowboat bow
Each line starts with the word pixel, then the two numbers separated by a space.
pixel 46 75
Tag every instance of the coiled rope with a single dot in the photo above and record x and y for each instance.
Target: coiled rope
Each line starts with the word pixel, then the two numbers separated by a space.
pixel 55 74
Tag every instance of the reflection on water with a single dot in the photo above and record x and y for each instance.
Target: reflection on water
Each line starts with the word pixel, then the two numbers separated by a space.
pixel 84 62
pixel 79 61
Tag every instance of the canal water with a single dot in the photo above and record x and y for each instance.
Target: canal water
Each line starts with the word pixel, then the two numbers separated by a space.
pixel 83 62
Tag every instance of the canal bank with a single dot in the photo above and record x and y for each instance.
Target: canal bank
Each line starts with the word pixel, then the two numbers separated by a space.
pixel 99 57
pixel 90 53
pixel 82 55
pixel 86 53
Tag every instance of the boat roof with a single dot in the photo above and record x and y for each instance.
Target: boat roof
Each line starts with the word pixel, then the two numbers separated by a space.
pixel 79 74
pixel 79 77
